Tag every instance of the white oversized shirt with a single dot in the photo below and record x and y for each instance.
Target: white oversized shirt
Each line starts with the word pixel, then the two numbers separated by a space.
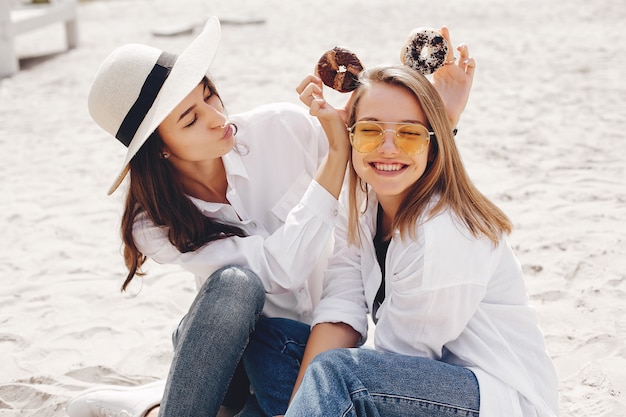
pixel 287 216
pixel 449 297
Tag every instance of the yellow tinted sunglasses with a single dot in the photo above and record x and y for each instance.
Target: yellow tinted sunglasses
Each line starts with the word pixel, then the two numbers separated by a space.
pixel 410 138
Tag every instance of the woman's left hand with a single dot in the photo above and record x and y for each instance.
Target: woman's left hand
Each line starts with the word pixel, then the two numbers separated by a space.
pixel 311 94
pixel 453 80
pixel 332 119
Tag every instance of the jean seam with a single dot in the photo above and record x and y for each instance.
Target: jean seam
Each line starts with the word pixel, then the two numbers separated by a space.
pixel 417 400
pixel 351 407
pixel 290 342
pixel 423 401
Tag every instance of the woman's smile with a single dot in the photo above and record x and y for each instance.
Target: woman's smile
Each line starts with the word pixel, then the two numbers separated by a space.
pixel 388 168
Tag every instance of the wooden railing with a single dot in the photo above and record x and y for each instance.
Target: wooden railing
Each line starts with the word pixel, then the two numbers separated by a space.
pixel 15 21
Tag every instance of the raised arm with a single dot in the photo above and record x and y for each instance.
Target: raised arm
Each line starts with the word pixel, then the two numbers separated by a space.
pixel 453 81
pixel 331 172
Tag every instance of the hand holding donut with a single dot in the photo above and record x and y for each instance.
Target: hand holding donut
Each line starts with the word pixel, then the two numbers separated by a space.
pixel 311 93
pixel 427 50
pixel 331 119
pixel 453 80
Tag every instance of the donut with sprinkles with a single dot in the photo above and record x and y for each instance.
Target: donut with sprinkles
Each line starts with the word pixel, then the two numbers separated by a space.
pixel 425 50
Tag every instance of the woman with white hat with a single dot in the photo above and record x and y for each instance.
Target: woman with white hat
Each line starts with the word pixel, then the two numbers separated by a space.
pixel 246 202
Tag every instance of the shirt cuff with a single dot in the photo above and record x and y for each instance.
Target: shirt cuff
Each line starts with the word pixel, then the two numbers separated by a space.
pixel 321 202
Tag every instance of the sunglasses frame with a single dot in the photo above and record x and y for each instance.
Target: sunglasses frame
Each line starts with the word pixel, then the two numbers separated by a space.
pixel 382 134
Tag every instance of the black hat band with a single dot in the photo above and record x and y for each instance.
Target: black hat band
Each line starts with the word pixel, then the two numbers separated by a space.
pixel 149 92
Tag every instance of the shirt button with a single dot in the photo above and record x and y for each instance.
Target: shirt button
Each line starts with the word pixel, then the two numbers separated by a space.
pixel 335 212
pixel 253 224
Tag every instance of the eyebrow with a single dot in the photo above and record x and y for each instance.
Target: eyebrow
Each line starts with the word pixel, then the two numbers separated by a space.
pixel 186 112
pixel 373 119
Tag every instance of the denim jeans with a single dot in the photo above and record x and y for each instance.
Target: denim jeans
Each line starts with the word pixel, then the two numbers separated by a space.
pixel 272 362
pixel 211 341
pixel 366 382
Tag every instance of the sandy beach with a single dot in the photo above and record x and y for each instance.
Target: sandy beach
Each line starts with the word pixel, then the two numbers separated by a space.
pixel 543 135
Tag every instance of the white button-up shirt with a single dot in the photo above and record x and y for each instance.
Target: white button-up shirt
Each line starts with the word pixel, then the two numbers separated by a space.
pixel 287 216
pixel 450 297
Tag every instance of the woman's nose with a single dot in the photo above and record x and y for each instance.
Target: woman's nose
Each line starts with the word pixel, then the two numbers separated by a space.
pixel 215 118
pixel 389 142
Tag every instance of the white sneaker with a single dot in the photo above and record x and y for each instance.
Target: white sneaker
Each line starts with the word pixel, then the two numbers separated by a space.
pixel 116 401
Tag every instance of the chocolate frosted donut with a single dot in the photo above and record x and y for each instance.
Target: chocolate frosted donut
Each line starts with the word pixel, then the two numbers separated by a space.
pixel 339 69
pixel 425 50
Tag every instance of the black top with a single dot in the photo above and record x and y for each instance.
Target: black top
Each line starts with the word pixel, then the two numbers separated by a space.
pixel 381 247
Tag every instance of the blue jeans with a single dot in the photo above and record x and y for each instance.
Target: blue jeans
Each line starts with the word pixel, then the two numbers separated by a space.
pixel 366 382
pixel 272 362
pixel 211 341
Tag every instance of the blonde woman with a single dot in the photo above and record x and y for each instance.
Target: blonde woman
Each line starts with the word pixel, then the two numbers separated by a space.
pixel 426 254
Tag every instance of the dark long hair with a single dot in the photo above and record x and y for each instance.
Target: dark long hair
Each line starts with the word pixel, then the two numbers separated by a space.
pixel 155 189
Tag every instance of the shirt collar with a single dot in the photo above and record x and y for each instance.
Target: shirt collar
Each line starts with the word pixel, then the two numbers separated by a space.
pixel 234 165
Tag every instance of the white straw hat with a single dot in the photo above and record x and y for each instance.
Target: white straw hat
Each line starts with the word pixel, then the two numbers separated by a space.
pixel 137 86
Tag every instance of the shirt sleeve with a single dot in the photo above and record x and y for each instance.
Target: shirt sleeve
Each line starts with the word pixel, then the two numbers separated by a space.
pixel 343 298
pixel 282 260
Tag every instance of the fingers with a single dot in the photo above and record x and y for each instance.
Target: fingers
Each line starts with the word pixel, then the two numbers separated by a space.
pixel 470 67
pixel 467 63
pixel 310 91
pixel 308 80
pixel 464 53
pixel 445 32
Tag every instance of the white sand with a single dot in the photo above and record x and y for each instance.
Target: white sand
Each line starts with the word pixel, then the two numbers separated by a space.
pixel 543 135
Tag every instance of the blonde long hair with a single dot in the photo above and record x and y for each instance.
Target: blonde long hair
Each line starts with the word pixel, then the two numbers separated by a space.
pixel 445 178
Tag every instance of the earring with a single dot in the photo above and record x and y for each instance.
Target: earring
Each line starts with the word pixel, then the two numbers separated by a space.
pixel 165 155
